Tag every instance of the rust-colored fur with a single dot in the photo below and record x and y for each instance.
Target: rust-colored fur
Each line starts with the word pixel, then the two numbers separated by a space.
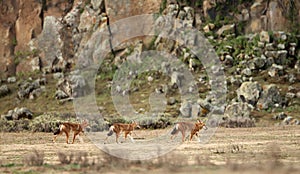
pixel 198 126
pixel 68 127
pixel 184 127
pixel 117 128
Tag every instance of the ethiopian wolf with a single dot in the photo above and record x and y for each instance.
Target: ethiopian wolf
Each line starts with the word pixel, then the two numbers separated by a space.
pixel 190 127
pixel 68 127
pixel 118 128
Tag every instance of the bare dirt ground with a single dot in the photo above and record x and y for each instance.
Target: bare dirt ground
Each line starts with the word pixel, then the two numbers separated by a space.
pixel 241 150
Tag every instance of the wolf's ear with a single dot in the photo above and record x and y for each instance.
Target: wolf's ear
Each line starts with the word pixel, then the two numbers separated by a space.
pixel 198 121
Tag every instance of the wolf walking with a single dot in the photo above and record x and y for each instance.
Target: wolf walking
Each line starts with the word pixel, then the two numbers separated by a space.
pixel 184 127
pixel 68 127
pixel 118 128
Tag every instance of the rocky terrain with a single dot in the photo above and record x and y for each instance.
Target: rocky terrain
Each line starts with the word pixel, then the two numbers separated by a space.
pixel 44 42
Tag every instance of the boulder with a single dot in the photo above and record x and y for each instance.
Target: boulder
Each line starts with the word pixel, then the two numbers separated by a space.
pixel 18 113
pixel 31 90
pixel 270 97
pixel 4 90
pixel 247 72
pixel 280 57
pixel 280 116
pixel 238 114
pixel 97 4
pixel 276 70
pixel 186 109
pixel 71 86
pixel 176 79
pixel 264 36
pixel 59 94
pixel 11 79
pixel 249 92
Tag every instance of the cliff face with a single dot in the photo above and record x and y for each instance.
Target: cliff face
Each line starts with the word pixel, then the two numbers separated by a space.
pixel 23 22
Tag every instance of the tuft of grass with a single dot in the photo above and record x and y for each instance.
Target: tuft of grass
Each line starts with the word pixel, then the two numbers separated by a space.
pixel 34 158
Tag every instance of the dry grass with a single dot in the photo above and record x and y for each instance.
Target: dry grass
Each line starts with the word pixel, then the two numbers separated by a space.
pixel 241 150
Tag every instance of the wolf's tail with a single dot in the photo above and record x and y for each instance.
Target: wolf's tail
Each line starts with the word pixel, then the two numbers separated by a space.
pixel 111 131
pixel 175 130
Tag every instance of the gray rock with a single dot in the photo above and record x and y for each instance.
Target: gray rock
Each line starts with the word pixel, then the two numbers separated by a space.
pixel 270 97
pixel 36 64
pixel 247 72
pixel 264 36
pixel 297 66
pixel 73 86
pixel 11 79
pixel 59 94
pixel 228 60
pixel 50 43
pixel 238 115
pixel 269 62
pixel 171 101
pixel 96 4
pixel 20 113
pixel 176 79
pixel 281 46
pixel 259 62
pixel 270 53
pixel 58 75
pixel 280 116
pixel 249 92
pixel 186 109
pixel 276 70
pixel 292 49
pixel 4 90
pixel 172 10
pixel 281 57
pixel 290 95
pixel 270 47
pixel 292 78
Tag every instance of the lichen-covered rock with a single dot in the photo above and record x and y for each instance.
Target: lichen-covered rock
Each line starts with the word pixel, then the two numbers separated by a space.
pixel 11 79
pixel 71 86
pixel 280 116
pixel 276 70
pixel 186 109
pixel 238 114
pixel 270 97
pixel 18 113
pixel 31 90
pixel 4 90
pixel 249 92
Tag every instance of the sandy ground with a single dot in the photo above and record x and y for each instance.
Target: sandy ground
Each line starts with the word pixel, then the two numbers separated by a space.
pixel 261 147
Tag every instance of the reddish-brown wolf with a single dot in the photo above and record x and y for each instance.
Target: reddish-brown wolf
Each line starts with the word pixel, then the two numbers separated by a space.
pixel 118 128
pixel 184 127
pixel 66 128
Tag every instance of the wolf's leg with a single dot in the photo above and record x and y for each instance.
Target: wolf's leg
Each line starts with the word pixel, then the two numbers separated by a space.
pixel 74 136
pixel 67 137
pixel 132 140
pixel 117 137
pixel 183 136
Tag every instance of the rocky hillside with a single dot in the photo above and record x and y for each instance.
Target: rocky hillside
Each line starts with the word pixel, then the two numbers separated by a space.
pixel 257 42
